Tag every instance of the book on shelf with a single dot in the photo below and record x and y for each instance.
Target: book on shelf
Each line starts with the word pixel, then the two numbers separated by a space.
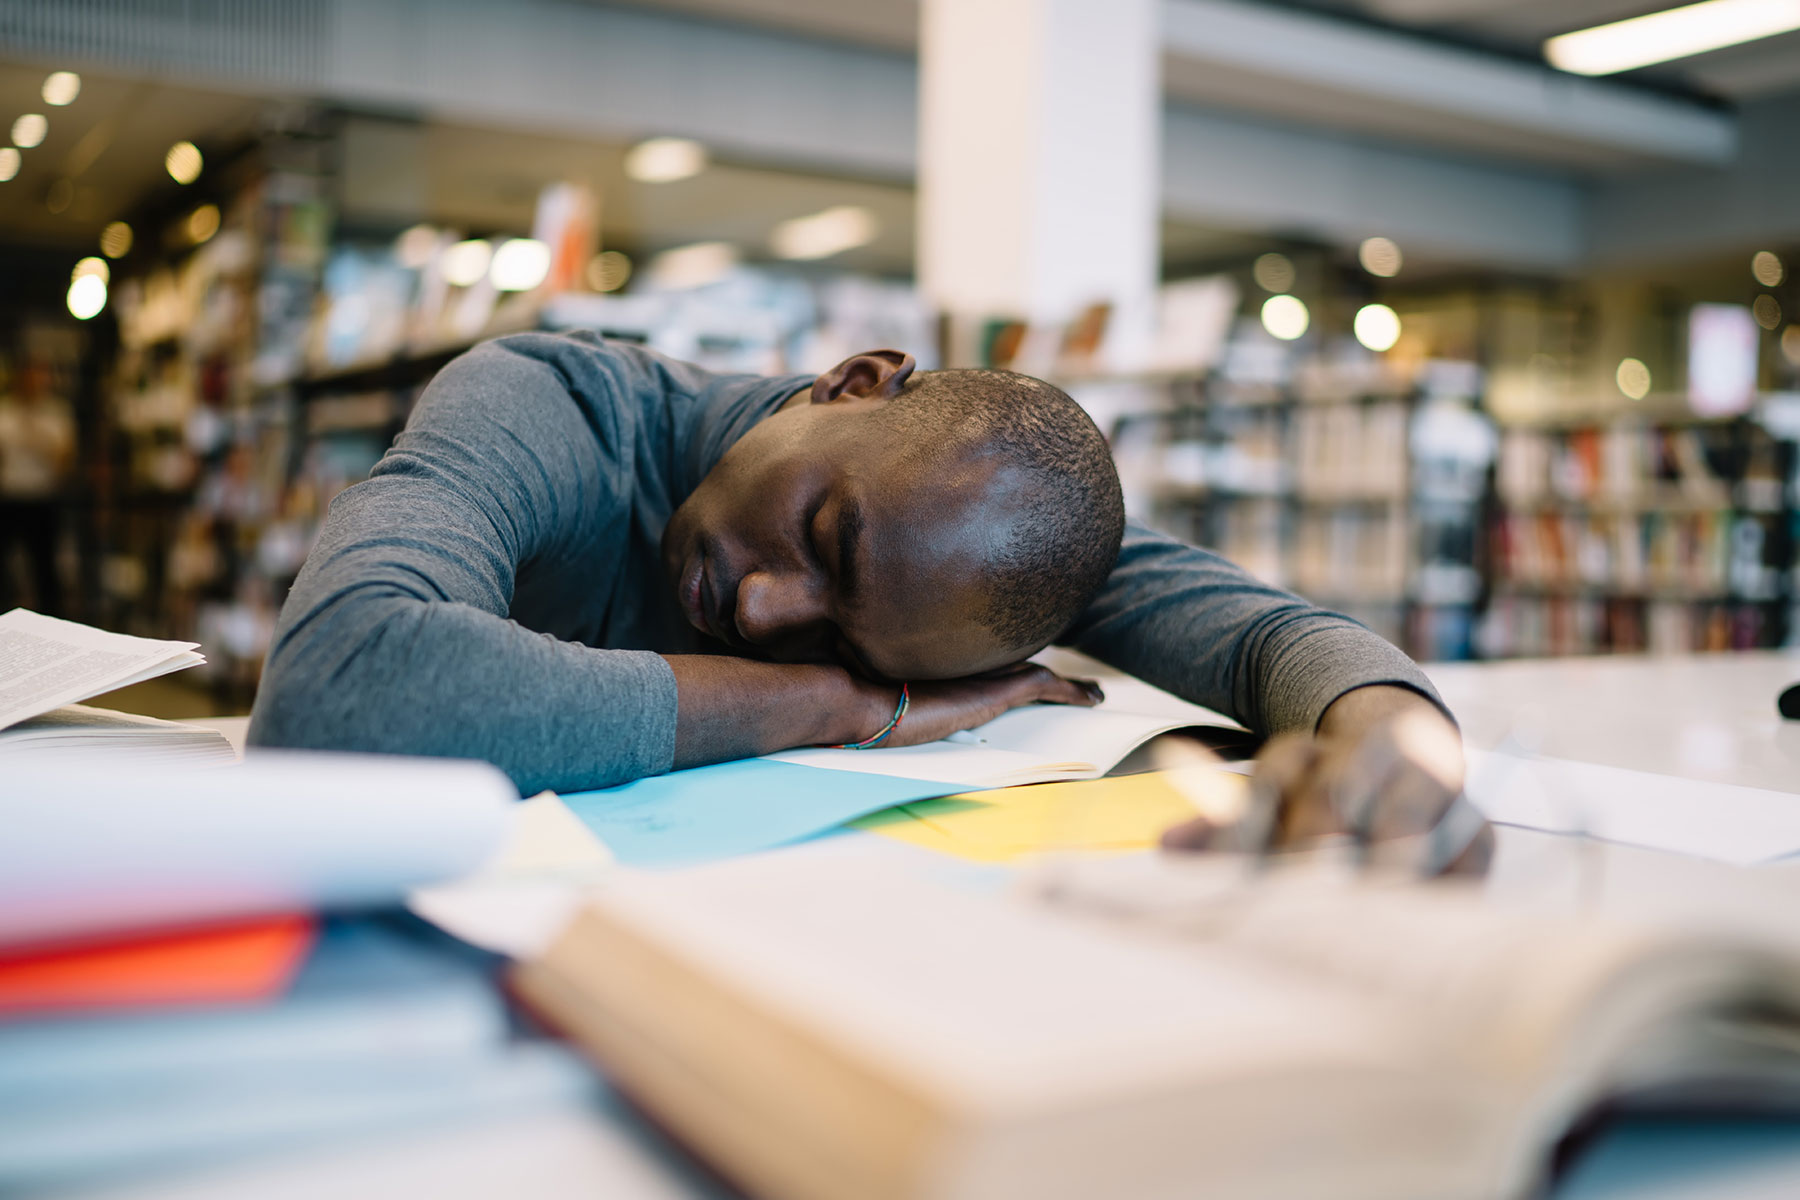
pixel 836 1021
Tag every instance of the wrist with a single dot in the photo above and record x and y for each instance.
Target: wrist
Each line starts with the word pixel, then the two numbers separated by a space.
pixel 855 710
pixel 1361 709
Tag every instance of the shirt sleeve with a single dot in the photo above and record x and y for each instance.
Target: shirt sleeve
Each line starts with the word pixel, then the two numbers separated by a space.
pixel 395 638
pixel 1194 624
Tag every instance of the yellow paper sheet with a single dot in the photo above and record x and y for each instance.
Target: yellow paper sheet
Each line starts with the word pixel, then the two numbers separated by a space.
pixel 1120 814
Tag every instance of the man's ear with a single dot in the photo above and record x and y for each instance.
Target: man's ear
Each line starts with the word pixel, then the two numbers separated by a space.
pixel 873 374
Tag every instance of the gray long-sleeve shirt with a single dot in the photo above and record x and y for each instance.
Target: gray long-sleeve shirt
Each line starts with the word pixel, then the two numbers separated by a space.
pixel 494 589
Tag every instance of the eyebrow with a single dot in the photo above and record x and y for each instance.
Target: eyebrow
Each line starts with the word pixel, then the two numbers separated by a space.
pixel 849 535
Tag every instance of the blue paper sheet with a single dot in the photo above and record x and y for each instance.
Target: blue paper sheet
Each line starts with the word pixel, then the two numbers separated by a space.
pixel 735 808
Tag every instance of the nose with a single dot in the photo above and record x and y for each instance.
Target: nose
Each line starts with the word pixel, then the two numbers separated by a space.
pixel 774 606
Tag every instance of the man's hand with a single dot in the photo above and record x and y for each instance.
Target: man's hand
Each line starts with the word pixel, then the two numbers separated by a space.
pixel 939 709
pixel 730 707
pixel 1385 764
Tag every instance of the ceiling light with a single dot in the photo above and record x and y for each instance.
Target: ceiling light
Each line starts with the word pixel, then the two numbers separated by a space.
pixel 665 159
pixel 608 270
pixel 693 266
pixel 1633 378
pixel 1285 317
pixel 414 248
pixel 183 162
pixel 91 266
pixel 1379 256
pixel 87 296
pixel 202 223
pixel 1672 33
pixel 520 265
pixel 1377 327
pixel 1767 268
pixel 61 87
pixel 824 234
pixel 9 163
pixel 466 262
pixel 1273 272
pixel 29 130
pixel 115 240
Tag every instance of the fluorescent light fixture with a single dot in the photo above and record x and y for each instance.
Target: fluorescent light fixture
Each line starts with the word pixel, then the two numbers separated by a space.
pixel 61 87
pixel 520 265
pixel 692 266
pixel 87 296
pixel 466 262
pixel 833 231
pixel 1285 317
pixel 29 130
pixel 665 159
pixel 1673 33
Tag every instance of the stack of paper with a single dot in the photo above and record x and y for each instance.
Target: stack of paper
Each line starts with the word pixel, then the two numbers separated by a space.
pixel 124 738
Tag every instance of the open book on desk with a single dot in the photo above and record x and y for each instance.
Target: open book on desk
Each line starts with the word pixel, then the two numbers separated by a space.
pixel 46 662
pixel 832 1021
pixel 738 807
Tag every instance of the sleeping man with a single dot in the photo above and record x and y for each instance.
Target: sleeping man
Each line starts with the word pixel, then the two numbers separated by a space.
pixel 588 563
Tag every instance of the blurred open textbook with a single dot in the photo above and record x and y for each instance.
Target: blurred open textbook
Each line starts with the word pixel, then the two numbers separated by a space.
pixel 46 662
pixel 833 1021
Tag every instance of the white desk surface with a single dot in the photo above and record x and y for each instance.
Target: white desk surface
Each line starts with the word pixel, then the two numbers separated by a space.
pixel 1707 717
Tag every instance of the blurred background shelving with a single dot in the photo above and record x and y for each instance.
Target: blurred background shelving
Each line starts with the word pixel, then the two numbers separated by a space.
pixel 1496 389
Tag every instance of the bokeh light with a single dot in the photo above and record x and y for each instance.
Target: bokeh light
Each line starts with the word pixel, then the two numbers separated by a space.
pixel 414 248
pixel 608 271
pixel 466 262
pixel 91 266
pixel 1380 256
pixel 1377 326
pixel 87 296
pixel 1633 378
pixel 1790 345
pixel 202 223
pixel 61 87
pixel 1767 311
pixel 1285 317
pixel 115 240
pixel 665 159
pixel 9 163
pixel 1274 272
pixel 823 234
pixel 1767 268
pixel 30 130
pixel 183 162
pixel 520 265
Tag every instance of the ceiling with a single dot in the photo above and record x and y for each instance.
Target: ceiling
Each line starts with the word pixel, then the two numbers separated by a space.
pixel 109 144
pixel 1520 26
pixel 1515 26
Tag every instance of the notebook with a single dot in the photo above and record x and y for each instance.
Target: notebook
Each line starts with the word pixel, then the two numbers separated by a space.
pixel 835 1020
pixel 732 808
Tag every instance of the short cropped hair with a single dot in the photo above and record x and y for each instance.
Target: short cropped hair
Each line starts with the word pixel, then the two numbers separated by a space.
pixel 1067 541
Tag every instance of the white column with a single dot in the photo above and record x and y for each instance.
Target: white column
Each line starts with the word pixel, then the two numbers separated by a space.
pixel 1039 142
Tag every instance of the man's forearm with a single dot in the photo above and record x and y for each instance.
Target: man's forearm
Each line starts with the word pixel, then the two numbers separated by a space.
pixel 738 708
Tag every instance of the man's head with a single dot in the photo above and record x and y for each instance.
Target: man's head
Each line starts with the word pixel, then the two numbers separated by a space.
pixel 912 525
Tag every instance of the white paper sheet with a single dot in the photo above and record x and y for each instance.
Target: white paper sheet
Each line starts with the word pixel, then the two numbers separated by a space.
pixel 90 850
pixel 1720 821
pixel 46 662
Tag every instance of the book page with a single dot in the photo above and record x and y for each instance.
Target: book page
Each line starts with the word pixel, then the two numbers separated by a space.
pixel 46 663
pixel 1034 744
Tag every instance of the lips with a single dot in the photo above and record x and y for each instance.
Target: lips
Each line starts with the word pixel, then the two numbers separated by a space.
pixel 701 605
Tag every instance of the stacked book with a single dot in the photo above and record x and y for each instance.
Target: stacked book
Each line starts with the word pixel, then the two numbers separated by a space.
pixel 46 665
